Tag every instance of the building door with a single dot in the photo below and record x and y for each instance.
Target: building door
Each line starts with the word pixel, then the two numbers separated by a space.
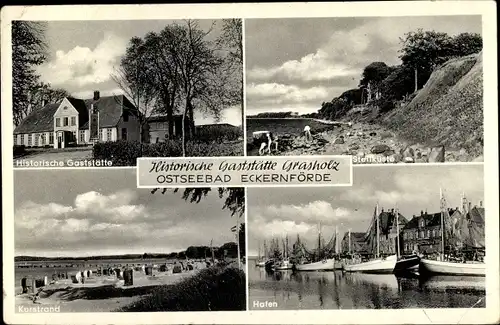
pixel 60 139
pixel 124 133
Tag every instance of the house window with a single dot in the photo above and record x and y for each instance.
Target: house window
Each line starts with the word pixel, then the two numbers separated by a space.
pixel 65 107
pixel 100 134
pixel 124 133
pixel 428 233
pixel 108 134
pixel 82 136
pixel 51 138
pixel 74 136
pixel 65 121
pixel 422 234
pixel 58 121
pixel 73 120
pixel 22 139
pixel 42 139
pixel 36 139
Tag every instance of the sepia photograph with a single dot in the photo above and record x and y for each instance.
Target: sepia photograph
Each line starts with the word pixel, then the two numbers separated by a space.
pixel 103 93
pixel 382 89
pixel 92 242
pixel 400 237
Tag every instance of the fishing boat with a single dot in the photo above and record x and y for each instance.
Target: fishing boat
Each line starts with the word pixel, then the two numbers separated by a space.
pixel 379 264
pixel 261 260
pixel 322 263
pixel 405 263
pixel 284 263
pixel 443 267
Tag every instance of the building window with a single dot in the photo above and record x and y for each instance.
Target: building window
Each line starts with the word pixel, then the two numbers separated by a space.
pixel 124 133
pixel 42 139
pixel 74 136
pixel 51 138
pixel 100 134
pixel 73 120
pixel 82 136
pixel 428 233
pixel 65 107
pixel 108 134
pixel 65 121
pixel 58 121
pixel 36 139
pixel 422 234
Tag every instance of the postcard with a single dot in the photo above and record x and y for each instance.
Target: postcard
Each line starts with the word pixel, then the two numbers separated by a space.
pixel 267 163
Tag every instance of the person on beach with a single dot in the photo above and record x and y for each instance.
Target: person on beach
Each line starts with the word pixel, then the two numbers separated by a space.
pixel 307 131
pixel 270 140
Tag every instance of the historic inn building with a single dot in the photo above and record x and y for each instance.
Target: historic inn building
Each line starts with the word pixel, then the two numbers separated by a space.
pixel 75 121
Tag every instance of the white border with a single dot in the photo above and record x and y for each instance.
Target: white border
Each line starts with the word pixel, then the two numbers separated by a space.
pixel 487 9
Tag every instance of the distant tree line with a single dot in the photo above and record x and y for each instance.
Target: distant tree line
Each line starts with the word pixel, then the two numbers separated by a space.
pixel 421 53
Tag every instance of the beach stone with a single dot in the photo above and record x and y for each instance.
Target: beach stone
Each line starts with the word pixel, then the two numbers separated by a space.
pixel 353 146
pixel 339 140
pixel 436 154
pixel 360 134
pixel 408 160
pixel 372 134
pixel 348 134
pixel 408 152
pixel 385 135
pixel 388 153
pixel 380 148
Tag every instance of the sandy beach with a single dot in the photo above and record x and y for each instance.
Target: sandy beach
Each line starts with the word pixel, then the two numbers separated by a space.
pixel 98 293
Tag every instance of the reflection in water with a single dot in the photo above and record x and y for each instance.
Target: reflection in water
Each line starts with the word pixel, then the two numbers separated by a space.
pixel 337 290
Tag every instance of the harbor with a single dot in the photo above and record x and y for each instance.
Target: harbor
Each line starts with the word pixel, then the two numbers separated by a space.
pixel 429 258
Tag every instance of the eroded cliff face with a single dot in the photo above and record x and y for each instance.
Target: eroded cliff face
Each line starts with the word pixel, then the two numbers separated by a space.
pixel 448 110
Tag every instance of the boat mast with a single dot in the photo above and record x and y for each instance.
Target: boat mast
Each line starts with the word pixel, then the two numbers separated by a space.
pixel 349 241
pixel 286 246
pixel 336 240
pixel 397 230
pixel 319 241
pixel 378 241
pixel 442 222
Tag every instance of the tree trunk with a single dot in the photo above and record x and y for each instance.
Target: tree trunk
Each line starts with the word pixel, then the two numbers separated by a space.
pixel 416 80
pixel 184 129
pixel 191 120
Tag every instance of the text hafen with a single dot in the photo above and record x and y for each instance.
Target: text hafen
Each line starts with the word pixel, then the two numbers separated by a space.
pixel 265 304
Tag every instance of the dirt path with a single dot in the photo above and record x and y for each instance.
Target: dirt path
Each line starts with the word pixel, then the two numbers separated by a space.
pixel 369 144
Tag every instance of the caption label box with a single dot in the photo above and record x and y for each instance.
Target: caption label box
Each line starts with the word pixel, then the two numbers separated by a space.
pixel 244 171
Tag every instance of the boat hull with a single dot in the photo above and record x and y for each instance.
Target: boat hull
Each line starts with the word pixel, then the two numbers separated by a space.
pixel 378 266
pixel 260 264
pixel 325 265
pixel 451 268
pixel 407 264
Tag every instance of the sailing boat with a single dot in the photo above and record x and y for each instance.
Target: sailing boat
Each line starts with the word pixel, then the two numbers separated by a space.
pixel 284 264
pixel 441 266
pixel 379 264
pixel 405 263
pixel 261 261
pixel 326 264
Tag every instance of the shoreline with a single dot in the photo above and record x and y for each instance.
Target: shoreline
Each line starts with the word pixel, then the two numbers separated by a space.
pixel 367 143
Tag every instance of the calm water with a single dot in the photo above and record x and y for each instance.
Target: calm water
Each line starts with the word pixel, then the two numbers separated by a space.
pixel 337 290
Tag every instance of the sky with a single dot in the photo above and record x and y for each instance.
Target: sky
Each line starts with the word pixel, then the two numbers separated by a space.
pixel 83 55
pixel 292 211
pixel 101 212
pixel 296 64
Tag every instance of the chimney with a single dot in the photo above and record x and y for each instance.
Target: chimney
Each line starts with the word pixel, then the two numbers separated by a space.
pixel 421 212
pixel 96 95
pixel 480 204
